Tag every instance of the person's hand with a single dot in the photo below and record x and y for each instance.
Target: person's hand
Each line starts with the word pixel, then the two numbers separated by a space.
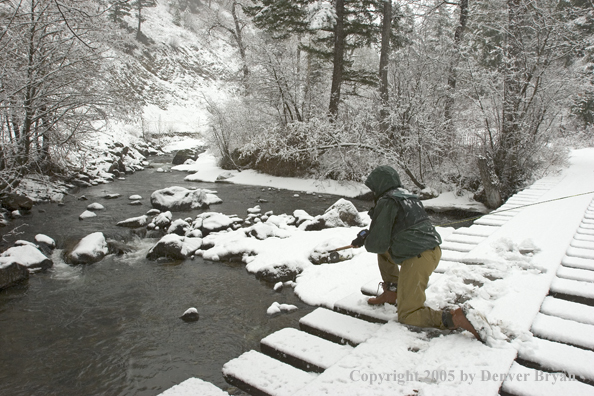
pixel 360 240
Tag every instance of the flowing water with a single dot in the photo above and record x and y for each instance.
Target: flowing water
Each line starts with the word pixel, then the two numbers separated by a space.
pixel 113 328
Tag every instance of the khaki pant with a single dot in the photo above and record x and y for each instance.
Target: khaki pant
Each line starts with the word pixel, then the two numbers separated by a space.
pixel 412 278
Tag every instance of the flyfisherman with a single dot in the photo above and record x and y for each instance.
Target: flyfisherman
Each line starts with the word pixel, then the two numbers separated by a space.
pixel 407 247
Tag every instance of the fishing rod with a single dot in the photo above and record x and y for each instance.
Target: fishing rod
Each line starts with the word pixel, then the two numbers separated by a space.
pixel 506 210
pixel 334 252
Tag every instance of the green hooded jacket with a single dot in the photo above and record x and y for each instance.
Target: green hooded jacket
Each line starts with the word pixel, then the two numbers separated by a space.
pixel 399 223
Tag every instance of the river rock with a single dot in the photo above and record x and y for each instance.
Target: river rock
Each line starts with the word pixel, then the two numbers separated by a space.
pixel 95 206
pixel 134 222
pixel 13 202
pixel 262 231
pixel 212 222
pixel 3 219
pixel 179 198
pixel 174 246
pixel 163 220
pixel 301 216
pixel 87 214
pixel 342 214
pixel 118 248
pixel 11 272
pixel 89 249
pixel 42 238
pixel 279 273
pixel 28 256
pixel 191 315
pixel 183 155
pixel 179 227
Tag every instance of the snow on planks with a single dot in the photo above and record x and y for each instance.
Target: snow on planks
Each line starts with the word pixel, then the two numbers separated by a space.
pixel 192 387
pixel 563 330
pixel 568 310
pixel 337 327
pixel 303 350
pixel 261 375
pixel 530 382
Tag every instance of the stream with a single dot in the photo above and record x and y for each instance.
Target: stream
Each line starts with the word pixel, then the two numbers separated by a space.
pixel 113 328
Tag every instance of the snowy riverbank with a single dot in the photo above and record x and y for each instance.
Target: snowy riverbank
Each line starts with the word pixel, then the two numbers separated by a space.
pixel 502 267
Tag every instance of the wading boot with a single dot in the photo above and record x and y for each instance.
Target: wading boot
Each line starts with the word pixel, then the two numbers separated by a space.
pixel 456 319
pixel 388 296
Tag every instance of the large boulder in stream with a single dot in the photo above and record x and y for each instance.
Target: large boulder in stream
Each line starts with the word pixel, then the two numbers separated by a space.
pixel 341 214
pixel 177 199
pixel 175 247
pixel 12 202
pixel 134 222
pixel 90 249
pixel 28 256
pixel 183 155
pixel 11 272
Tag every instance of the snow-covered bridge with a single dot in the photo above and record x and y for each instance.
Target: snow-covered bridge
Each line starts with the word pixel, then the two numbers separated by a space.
pixel 528 271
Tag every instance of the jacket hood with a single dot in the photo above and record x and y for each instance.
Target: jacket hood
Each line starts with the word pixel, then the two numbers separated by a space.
pixel 383 179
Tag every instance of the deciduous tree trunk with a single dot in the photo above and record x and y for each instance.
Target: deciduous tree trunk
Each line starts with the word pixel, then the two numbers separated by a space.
pixel 490 183
pixel 383 65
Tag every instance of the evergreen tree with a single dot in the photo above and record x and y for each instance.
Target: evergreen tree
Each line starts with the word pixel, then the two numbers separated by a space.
pixel 119 10
pixel 140 5
pixel 334 33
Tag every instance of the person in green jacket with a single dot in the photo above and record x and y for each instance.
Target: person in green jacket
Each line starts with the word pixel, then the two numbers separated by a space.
pixel 407 247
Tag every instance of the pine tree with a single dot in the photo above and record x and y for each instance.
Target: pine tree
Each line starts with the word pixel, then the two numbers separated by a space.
pixel 333 33
pixel 119 10
pixel 140 5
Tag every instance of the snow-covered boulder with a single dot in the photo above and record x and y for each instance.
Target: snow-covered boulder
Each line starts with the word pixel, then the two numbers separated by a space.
pixel 95 206
pixel 183 155
pixel 134 222
pixel 231 246
pixel 44 240
pixel 174 246
pixel 179 199
pixel 278 273
pixel 28 256
pixel 265 230
pixel 342 214
pixel 89 249
pixel 163 220
pixel 12 202
pixel 135 197
pixel 87 214
pixel 283 221
pixel 190 315
pixel 213 221
pixel 194 234
pixel 112 196
pixel 277 308
pixel 11 272
pixel 179 227
pixel 254 210
pixel 301 216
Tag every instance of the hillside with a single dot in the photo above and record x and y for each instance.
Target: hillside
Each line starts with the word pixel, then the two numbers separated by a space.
pixel 174 71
